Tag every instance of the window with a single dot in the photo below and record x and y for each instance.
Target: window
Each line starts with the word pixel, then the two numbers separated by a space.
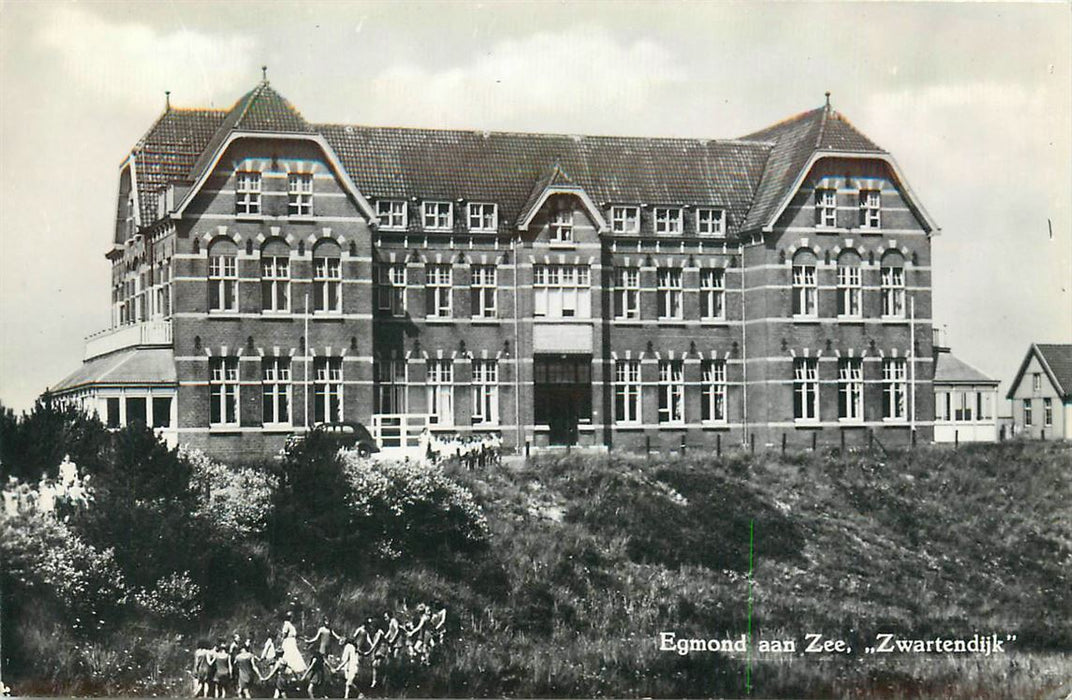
pixel 223 283
pixel 806 388
pixel 483 217
pixel 483 294
pixel 391 380
pixel 275 283
pixel 669 220
pixel 441 392
pixel 851 389
pixel 805 291
pixel 327 285
pixel 562 226
pixel 392 214
pixel 669 292
pixel 438 216
pixel 711 222
pixel 112 412
pixel 1047 412
pixel 826 207
pixel 671 391
pixel 713 394
pixel 713 294
pixel 485 392
pixel 849 289
pixel 627 391
pixel 437 290
pixel 1036 382
pixel 870 209
pixel 327 389
pixel 893 292
pixel 223 391
pixel 985 409
pixel 963 404
pixel 137 410
pixel 300 194
pixel 161 411
pixel 941 406
pixel 247 192
pixel 1027 413
pixel 626 293
pixel 275 390
pixel 625 219
pixel 895 389
pixel 391 288
pixel 562 291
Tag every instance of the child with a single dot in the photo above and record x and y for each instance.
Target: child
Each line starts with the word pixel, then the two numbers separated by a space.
pixel 268 651
pixel 348 665
pixel 202 668
pixel 281 671
pixel 221 669
pixel 244 667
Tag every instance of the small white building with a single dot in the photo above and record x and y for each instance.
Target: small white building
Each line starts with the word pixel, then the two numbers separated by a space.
pixel 965 401
pixel 1041 393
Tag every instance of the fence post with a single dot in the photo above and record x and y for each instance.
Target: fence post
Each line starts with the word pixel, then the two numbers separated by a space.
pixel 842 441
pixel 913 437
pixel 718 444
pixel 783 443
pixel 647 445
pixel 956 439
pixel 527 445
pixel 870 439
pixel 814 441
pixel 682 445
pixel 752 440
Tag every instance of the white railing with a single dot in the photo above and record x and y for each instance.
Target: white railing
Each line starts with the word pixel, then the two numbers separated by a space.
pixel 129 336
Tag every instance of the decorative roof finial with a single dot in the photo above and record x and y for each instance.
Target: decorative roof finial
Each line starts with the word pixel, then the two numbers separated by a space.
pixel 264 74
pixel 167 100
pixel 828 99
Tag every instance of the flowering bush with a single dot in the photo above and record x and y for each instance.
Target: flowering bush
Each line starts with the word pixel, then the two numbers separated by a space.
pixel 175 598
pixel 236 500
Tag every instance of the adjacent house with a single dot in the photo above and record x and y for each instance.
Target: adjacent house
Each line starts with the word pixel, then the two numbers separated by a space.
pixel 1041 393
pixel 965 401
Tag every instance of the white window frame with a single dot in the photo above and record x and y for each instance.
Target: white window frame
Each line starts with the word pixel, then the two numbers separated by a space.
pixel 439 290
pixel 805 291
pixel 851 389
pixel 627 293
pixel 300 194
pixel 711 222
pixel 327 389
pixel 561 227
pixel 437 215
pixel 669 221
pixel 561 291
pixel 392 382
pixel 625 219
pixel 247 193
pixel 850 291
pixel 392 214
pixel 483 291
pixel 825 207
pixel 713 294
pixel 627 404
pixel 224 391
pixel 485 385
pixel 1036 381
pixel 670 291
pixel 1027 413
pixel 275 284
pixel 963 406
pixel 223 283
pixel 895 389
pixel 276 392
pixel 671 392
pixel 440 389
pixel 806 389
pixel 714 390
pixel 327 285
pixel 893 291
pixel 483 217
pixel 870 209
pixel 1047 412
pixel 391 288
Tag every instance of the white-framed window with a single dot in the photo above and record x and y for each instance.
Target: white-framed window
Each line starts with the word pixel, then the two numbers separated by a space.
pixel 805 291
pixel 561 291
pixel 223 390
pixel 627 391
pixel 391 288
pixel 483 291
pixel 985 410
pixel 942 406
pixel 626 293
pixel 483 217
pixel 671 391
pixel 713 394
pixel 438 216
pixel 895 388
pixel 392 214
pixel 1027 413
pixel 327 285
pixel 711 222
pixel 849 290
pixel 562 226
pixel 392 379
pixel 327 389
pixel 275 283
pixel 223 283
pixel 963 405
pixel 851 389
pixel 669 292
pixel 806 388
pixel 1047 412
pixel 275 391
pixel 1036 382
pixel 300 194
pixel 247 192
pixel 440 386
pixel 485 392
pixel 826 207
pixel 438 290
pixel 625 219
pixel 713 294
pixel 870 209
pixel 893 292
pixel 669 220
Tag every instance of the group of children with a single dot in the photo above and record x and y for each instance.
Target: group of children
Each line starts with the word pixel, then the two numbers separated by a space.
pixel 223 666
pixel 473 451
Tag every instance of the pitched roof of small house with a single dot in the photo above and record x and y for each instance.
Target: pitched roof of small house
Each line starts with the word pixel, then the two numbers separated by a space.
pixel 949 369
pixel 1056 362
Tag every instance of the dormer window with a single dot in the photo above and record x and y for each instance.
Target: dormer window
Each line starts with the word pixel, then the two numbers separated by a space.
pixel 625 219
pixel 562 226
pixel 870 209
pixel 438 216
pixel 300 194
pixel 669 220
pixel 392 214
pixel 711 222
pixel 826 207
pixel 483 217
pixel 247 192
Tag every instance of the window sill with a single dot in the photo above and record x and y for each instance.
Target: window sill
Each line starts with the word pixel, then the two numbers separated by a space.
pixel 805 319
pixel 851 422
pixel 437 230
pixel 562 245
pixel 277 428
pixel 224 314
pixel 670 321
pixel 277 314
pixel 560 319
pixel 893 319
pixel 327 314
pixel 714 425
pixel 806 422
pixel 224 429
pixel 874 230
pixel 631 425
pixel 850 319
pixel 677 425
pixel 440 320
pixel 714 322
pixel 300 219
pixel 250 217
pixel 484 231
pixel 895 421
pixel 482 321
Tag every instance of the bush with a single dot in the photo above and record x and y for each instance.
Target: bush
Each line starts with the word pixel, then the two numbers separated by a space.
pixel 236 501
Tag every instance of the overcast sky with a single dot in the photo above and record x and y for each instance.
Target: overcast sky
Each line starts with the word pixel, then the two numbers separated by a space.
pixel 973 100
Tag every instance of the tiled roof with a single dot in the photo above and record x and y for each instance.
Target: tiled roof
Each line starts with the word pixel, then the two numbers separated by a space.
pixel 1059 360
pixel 951 370
pixel 139 367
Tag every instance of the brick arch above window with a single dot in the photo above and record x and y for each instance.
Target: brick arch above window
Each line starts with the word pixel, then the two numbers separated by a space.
pixel 327 248
pixel 275 247
pixel 805 256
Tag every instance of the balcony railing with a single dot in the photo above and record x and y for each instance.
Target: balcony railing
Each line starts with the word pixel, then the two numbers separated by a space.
pixel 129 336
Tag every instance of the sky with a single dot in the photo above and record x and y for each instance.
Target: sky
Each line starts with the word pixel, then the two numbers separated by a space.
pixel 974 101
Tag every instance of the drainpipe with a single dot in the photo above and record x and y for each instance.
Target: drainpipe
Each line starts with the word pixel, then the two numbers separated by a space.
pixel 912 364
pixel 744 355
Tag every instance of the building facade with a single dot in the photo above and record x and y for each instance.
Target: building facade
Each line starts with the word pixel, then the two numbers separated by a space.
pixel 269 274
pixel 1041 393
pixel 965 401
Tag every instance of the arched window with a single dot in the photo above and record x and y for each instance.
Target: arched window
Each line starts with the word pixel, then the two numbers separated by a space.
pixel 805 286
pixel 223 275
pixel 327 277
pixel 849 285
pixel 893 285
pixel 275 277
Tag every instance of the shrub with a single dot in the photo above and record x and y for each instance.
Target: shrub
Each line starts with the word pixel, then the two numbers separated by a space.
pixel 174 599
pixel 236 501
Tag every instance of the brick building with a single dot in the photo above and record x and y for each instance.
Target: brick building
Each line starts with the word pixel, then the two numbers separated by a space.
pixel 269 274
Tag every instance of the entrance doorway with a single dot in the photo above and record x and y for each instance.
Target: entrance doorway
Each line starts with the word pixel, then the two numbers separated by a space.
pixel 562 394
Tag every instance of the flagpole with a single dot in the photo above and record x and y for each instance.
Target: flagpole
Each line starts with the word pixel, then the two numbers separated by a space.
pixel 306 363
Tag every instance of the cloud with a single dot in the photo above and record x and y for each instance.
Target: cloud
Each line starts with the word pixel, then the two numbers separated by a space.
pixel 126 61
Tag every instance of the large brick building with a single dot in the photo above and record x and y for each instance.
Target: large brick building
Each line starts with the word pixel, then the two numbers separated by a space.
pixel 269 274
